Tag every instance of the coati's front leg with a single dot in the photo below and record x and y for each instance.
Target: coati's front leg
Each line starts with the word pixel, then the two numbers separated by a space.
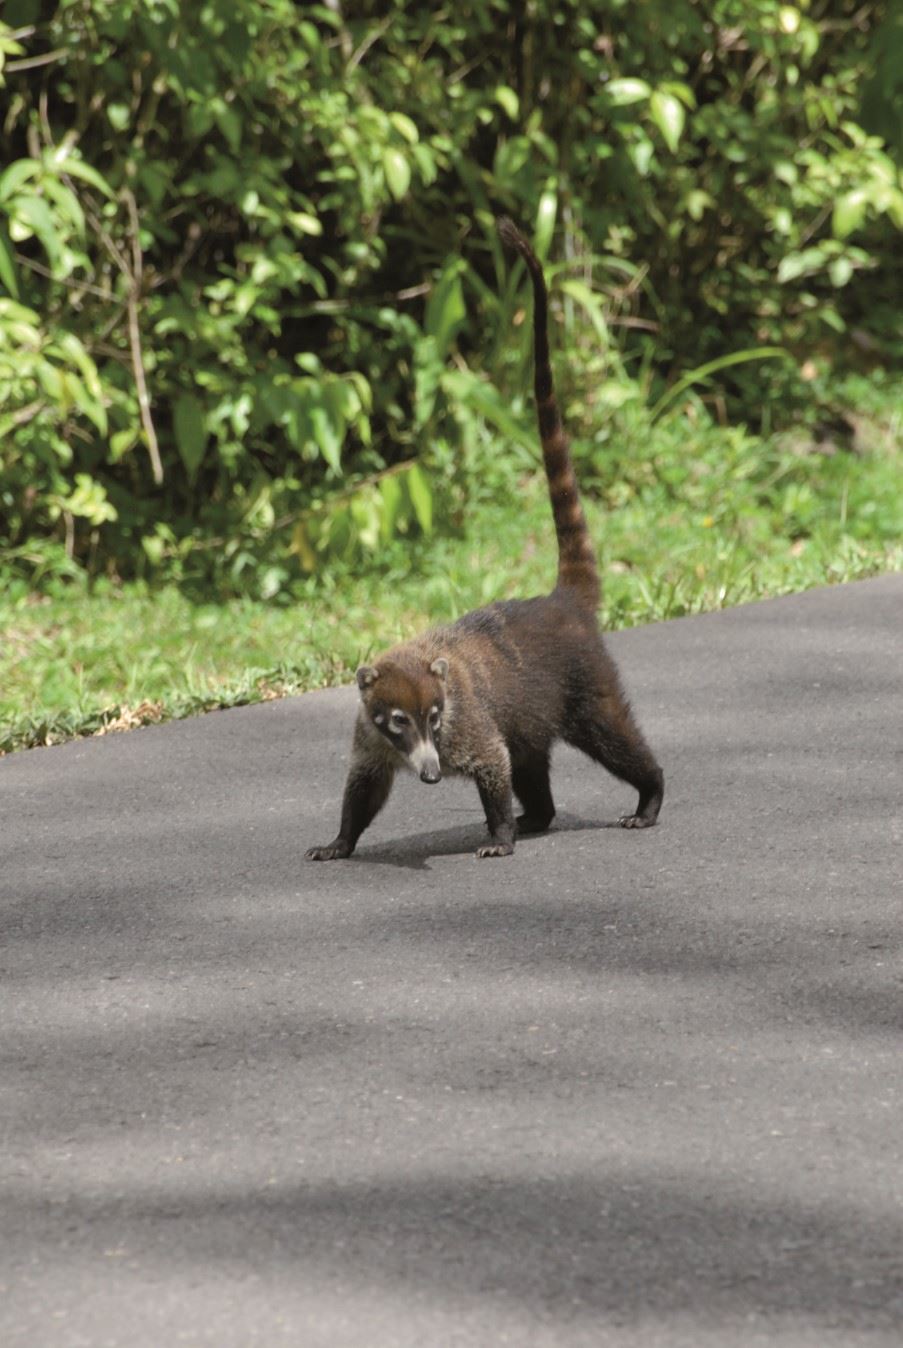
pixel 366 792
pixel 493 779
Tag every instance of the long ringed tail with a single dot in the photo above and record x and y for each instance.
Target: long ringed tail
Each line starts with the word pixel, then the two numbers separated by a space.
pixel 576 559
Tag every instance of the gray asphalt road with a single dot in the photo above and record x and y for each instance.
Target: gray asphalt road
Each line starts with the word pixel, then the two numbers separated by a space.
pixel 630 1089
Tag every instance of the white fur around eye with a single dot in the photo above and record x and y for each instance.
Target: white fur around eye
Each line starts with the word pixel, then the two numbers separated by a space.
pixel 379 719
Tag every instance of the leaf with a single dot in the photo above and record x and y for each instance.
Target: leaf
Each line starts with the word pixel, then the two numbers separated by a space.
pixel 626 91
pixel 190 432
pixel 642 152
pixel 365 514
pixel 86 393
pixel 69 345
pixel 398 173
pixel 698 202
pixel 93 409
pixel 66 202
pixel 329 441
pixel 427 373
pixel 391 494
pixel 310 35
pixel 8 266
pixel 511 157
pixel 795 265
pixel 421 497
pixel 77 168
pixel 509 101
pixel 305 223
pixel 37 217
pixel 681 91
pixel 849 212
pixel 405 127
pixel 88 499
pixel 17 313
pixel 119 115
pixel 590 303
pixel 426 160
pixel 832 319
pixel 840 271
pixel 711 367
pixel 545 221
pixel 153 547
pixel 18 173
pixel 121 442
pixel 302 549
pixel 668 114
pixel 467 390
pixel 229 123
pixel 445 309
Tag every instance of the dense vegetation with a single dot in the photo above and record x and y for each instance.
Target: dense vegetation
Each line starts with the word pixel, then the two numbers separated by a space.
pixel 254 318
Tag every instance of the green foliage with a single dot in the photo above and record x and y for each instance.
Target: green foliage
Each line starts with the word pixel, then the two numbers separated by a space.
pixel 704 518
pixel 254 318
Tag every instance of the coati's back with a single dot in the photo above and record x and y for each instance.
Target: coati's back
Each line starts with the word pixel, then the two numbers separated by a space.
pixel 488 695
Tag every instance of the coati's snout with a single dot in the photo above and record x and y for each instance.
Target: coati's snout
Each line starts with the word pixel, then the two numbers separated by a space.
pixel 418 743
pixel 428 766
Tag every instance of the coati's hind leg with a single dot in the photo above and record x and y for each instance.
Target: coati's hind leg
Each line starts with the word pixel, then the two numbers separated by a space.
pixel 530 780
pixel 605 730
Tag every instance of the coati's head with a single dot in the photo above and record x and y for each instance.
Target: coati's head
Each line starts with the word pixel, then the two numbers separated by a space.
pixel 406 707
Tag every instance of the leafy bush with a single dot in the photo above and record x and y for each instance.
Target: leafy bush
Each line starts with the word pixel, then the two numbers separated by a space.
pixel 255 312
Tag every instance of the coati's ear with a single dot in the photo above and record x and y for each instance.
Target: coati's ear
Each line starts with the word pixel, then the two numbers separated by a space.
pixel 366 676
pixel 439 667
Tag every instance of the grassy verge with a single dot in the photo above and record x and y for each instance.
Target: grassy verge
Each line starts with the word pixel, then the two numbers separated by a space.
pixel 696 520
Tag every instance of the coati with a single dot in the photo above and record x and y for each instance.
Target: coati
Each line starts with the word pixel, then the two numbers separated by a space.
pixel 488 695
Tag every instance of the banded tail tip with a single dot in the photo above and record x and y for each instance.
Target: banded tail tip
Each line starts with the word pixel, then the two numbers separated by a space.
pixel 511 236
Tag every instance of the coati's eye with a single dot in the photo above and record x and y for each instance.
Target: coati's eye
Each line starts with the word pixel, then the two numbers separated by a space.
pixel 397 721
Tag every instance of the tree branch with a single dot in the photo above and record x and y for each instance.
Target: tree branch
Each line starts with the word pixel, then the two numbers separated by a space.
pixel 147 420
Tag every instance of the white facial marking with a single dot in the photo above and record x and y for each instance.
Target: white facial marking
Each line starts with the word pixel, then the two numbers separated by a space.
pixel 423 755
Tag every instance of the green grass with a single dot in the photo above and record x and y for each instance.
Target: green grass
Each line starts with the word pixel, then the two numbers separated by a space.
pixel 690 520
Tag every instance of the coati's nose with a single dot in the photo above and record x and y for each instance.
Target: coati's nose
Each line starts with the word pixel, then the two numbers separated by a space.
pixel 431 774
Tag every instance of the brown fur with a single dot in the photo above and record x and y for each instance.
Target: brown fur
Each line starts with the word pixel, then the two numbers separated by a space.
pixel 488 695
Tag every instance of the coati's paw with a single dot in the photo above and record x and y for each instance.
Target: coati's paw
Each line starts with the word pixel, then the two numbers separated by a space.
pixel 635 821
pixel 336 851
pixel 495 850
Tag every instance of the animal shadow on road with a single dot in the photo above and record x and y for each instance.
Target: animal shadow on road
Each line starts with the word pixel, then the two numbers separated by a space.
pixel 415 851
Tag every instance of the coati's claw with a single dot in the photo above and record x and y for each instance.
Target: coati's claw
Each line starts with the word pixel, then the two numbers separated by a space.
pixel 334 852
pixel 495 850
pixel 635 821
